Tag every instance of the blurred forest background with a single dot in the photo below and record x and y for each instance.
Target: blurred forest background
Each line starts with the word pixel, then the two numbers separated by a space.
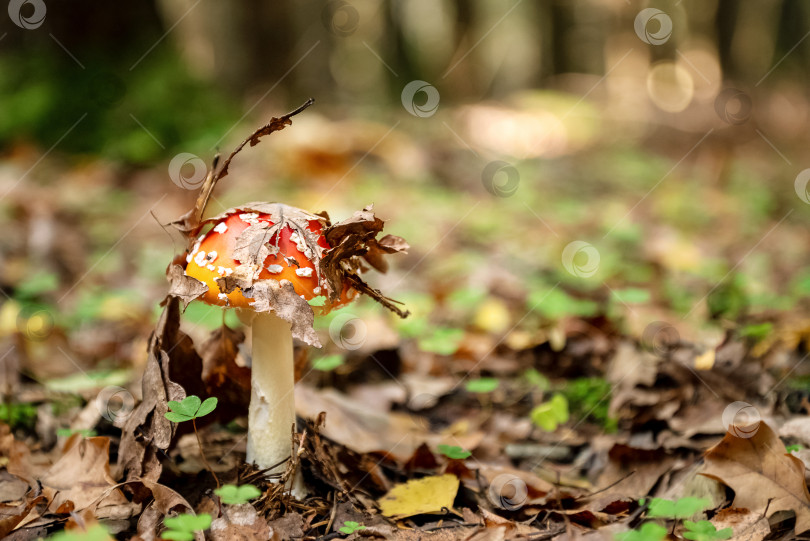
pixel 186 68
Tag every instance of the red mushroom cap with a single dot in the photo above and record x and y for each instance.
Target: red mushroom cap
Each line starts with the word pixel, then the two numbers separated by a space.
pixel 212 258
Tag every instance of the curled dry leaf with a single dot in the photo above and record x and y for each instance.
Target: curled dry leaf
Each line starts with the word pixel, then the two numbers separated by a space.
pixel 173 370
pixel 761 474
pixel 184 287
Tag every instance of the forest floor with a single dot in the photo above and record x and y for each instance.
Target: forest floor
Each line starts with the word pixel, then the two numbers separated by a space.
pixel 610 344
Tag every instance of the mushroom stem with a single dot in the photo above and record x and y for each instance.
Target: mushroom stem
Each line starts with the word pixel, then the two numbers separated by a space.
pixel 272 399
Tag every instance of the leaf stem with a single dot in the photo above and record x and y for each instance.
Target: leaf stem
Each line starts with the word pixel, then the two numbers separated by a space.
pixel 202 453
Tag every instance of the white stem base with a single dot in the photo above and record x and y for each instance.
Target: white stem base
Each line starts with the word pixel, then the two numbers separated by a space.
pixel 271 415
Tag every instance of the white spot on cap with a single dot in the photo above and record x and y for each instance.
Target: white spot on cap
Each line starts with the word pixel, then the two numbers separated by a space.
pixel 221 271
pixel 199 258
pixel 275 269
pixel 189 256
pixel 210 267
pixel 211 257
pixel 317 290
pixel 222 297
pixel 304 271
pixel 220 228
pixel 249 217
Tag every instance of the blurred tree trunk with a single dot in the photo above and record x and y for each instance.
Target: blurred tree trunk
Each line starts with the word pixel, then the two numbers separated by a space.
pixel 231 43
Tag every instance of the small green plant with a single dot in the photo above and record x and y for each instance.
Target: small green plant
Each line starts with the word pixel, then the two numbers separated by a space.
pixel 534 378
pixel 182 527
pixel 551 414
pixel 443 341
pixel 454 452
pixel 19 415
pixel 649 531
pixel 190 409
pixel 703 530
pixel 350 527
pixel 794 447
pixel 757 331
pixel 328 363
pixel 555 304
pixel 481 385
pixel 236 495
pixel 589 399
pixel 678 509
pixel 95 533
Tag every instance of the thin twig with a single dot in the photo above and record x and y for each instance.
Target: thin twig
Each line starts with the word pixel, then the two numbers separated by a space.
pixel 211 180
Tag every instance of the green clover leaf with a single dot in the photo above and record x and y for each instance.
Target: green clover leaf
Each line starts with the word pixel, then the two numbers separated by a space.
pixel 351 526
pixel 235 495
pixel 703 530
pixel 454 451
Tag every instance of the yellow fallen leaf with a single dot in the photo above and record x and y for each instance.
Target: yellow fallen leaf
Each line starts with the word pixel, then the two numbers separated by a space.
pixel 418 496
pixel 705 361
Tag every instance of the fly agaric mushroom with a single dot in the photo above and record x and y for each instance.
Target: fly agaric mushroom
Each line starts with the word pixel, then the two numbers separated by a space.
pixel 268 260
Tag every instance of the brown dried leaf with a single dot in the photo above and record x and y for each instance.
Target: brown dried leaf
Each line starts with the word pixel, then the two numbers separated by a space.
pixel 16 455
pixel 362 223
pixel 13 515
pixel 281 298
pixel 290 526
pixel 223 377
pixel 377 249
pixel 184 287
pixel 165 502
pixel 747 526
pixel 82 475
pixel 761 474
pixel 350 240
pixel 172 361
